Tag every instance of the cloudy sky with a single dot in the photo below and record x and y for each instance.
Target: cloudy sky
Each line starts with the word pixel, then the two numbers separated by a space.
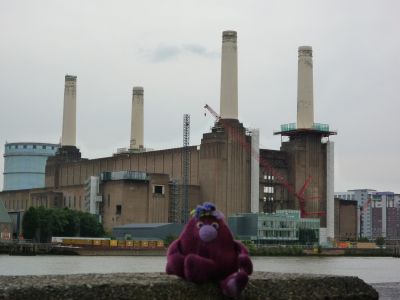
pixel 172 48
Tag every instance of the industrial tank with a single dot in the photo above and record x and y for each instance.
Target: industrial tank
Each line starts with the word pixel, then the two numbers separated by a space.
pixel 25 163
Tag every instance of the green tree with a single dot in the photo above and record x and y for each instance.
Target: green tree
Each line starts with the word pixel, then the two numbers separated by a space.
pixel 250 246
pixel 90 226
pixel 169 239
pixel 45 224
pixel 380 241
pixel 30 223
pixel 307 236
pixel 42 223
pixel 363 240
pixel 73 223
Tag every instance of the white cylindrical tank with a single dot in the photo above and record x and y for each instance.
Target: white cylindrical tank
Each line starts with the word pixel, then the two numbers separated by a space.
pixel 229 76
pixel 68 137
pixel 25 164
pixel 137 119
pixel 305 98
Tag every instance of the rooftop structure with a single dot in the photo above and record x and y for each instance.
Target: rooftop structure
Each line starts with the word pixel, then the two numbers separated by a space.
pixel 25 164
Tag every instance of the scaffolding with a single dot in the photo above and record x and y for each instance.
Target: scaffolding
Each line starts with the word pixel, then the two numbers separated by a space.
pixel 185 168
pixel 174 215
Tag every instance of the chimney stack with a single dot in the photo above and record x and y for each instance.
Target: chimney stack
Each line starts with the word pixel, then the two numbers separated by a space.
pixel 229 76
pixel 68 137
pixel 137 127
pixel 305 98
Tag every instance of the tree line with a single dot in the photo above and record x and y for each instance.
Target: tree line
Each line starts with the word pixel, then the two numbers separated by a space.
pixel 42 223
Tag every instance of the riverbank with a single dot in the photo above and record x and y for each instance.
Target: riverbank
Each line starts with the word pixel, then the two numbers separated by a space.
pixel 50 249
pixel 106 252
pixel 298 251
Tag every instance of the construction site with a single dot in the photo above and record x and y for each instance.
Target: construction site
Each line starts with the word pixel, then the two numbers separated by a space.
pixel 138 185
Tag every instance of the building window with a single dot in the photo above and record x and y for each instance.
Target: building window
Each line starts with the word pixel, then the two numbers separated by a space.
pixel 108 200
pixel 118 209
pixel 268 189
pixel 43 147
pixel 158 189
pixel 24 146
pixel 52 147
pixel 69 201
pixel 34 146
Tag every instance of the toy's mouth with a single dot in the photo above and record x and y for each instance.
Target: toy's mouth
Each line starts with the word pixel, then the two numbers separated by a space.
pixel 207 233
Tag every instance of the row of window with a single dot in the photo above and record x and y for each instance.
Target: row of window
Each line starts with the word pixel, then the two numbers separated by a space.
pixel 72 203
pixel 26 146
pixel 268 189
pixel 22 204
pixel 268 177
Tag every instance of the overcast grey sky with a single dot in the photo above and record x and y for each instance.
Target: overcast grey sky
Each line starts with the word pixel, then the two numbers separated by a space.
pixel 172 49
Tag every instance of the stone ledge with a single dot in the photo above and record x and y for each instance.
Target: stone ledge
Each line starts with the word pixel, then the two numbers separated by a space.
pixel 161 286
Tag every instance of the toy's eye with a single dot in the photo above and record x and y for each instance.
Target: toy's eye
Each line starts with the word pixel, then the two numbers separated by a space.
pixel 199 224
pixel 215 225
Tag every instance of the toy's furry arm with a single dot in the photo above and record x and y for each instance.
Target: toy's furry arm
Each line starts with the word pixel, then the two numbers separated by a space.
pixel 175 259
pixel 245 263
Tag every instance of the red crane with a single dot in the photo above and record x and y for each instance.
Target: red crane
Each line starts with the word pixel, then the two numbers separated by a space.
pixel 266 165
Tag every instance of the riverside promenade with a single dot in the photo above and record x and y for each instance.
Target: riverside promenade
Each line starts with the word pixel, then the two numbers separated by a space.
pixel 262 285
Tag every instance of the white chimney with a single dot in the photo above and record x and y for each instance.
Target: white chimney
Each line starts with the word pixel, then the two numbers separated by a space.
pixel 137 119
pixel 68 137
pixel 305 98
pixel 229 76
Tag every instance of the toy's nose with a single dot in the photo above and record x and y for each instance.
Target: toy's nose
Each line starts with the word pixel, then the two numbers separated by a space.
pixel 207 233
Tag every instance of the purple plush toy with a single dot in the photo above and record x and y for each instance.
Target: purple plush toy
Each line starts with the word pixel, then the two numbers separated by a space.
pixel 206 251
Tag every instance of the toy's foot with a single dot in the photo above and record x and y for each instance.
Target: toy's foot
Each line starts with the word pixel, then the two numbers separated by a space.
pixel 234 284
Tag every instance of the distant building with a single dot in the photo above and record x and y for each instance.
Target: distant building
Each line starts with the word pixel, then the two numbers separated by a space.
pixel 6 232
pixel 228 167
pixel 385 216
pixel 25 164
pixel 363 198
pixel 346 212
pixel 378 213
pixel 281 227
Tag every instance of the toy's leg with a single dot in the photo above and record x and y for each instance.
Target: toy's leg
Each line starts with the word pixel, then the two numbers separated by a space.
pixel 234 284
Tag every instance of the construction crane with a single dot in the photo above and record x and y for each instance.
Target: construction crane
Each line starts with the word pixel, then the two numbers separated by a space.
pixel 267 166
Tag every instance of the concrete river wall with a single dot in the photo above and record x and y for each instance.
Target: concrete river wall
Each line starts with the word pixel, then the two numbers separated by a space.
pixel 262 285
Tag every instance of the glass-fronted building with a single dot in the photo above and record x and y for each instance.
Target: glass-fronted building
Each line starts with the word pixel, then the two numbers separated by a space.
pixel 25 163
pixel 281 227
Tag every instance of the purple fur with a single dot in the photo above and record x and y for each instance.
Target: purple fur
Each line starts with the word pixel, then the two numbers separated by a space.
pixel 206 251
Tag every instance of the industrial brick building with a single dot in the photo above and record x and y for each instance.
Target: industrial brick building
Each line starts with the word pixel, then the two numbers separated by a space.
pixel 228 168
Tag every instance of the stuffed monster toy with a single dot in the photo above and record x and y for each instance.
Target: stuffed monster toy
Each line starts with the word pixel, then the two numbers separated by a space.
pixel 206 251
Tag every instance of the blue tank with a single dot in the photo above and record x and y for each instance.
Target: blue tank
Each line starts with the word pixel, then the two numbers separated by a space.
pixel 25 164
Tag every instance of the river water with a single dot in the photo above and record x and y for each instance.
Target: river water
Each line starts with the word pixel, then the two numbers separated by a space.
pixel 382 272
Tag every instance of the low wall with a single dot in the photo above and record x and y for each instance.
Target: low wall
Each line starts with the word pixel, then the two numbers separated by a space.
pixel 161 286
